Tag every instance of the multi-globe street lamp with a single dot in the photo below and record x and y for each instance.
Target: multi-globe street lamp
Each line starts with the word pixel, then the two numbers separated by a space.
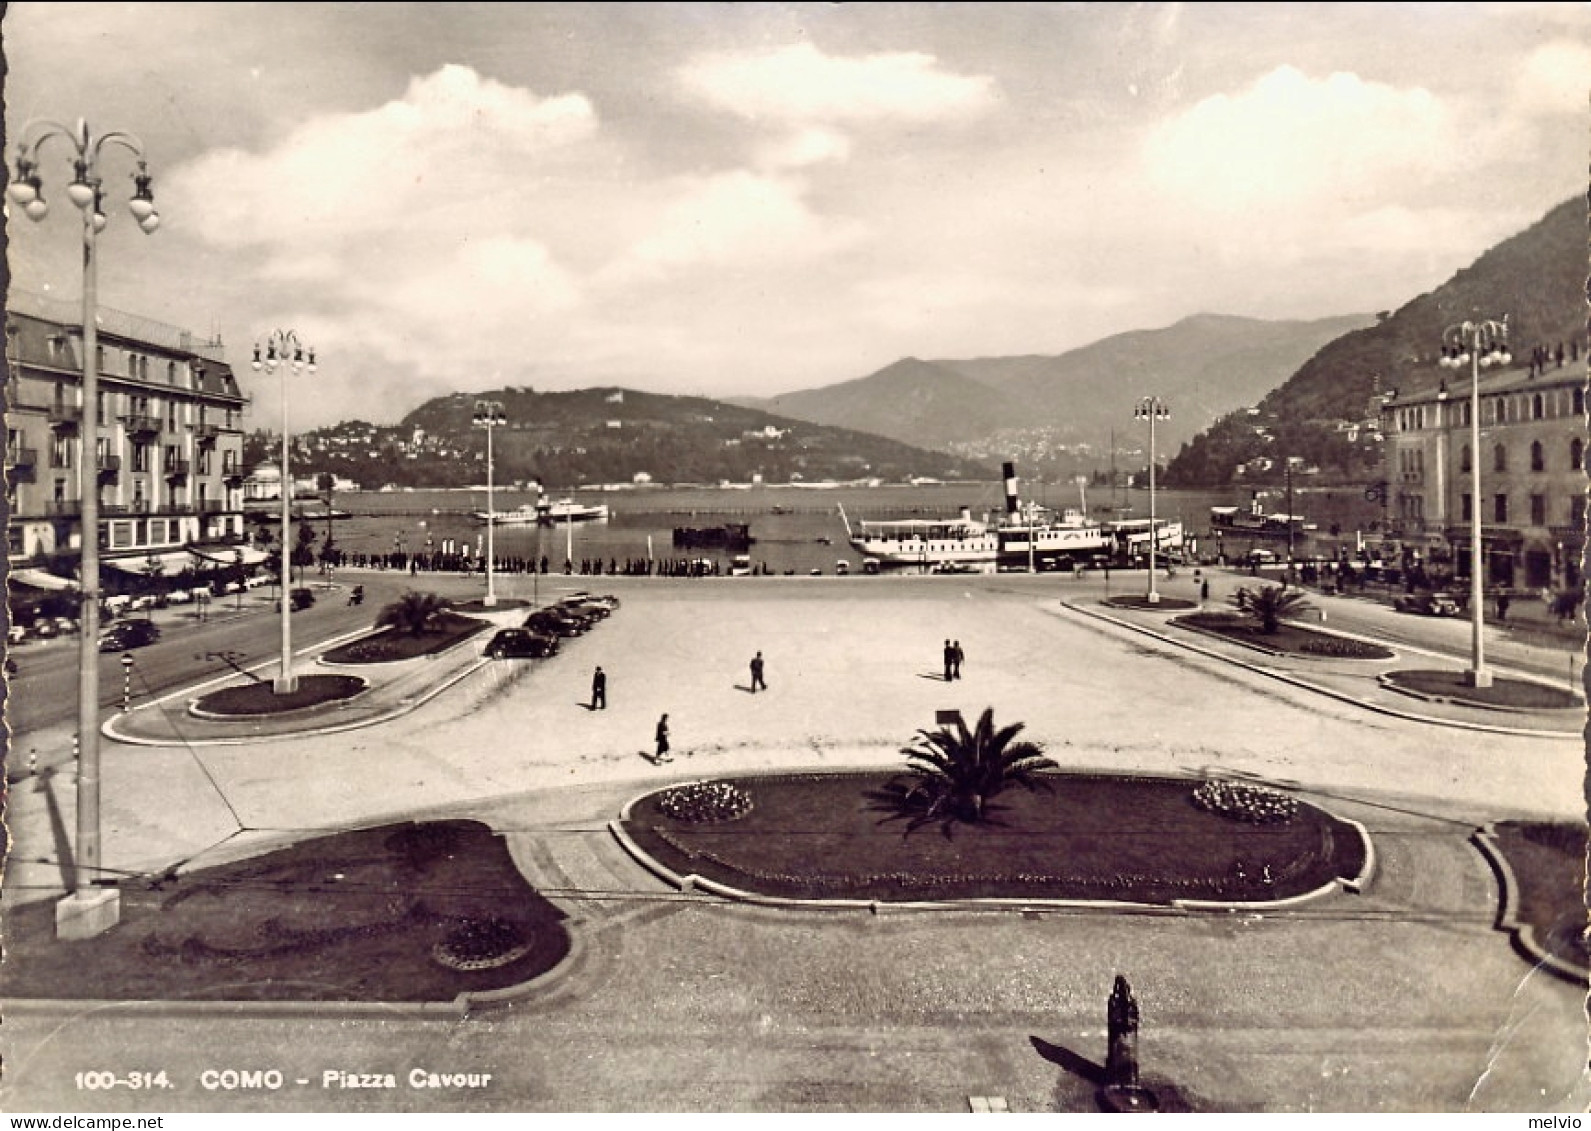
pixel 1478 345
pixel 85 913
pixel 1152 409
pixel 489 415
pixel 284 351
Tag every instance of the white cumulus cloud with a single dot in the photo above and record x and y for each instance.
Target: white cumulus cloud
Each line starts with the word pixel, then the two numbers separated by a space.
pixel 1555 79
pixel 799 83
pixel 1290 139
pixel 453 136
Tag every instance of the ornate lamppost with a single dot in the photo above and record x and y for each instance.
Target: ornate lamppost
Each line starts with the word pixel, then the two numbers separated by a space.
pixel 284 351
pixel 83 914
pixel 1152 409
pixel 489 415
pixel 1478 345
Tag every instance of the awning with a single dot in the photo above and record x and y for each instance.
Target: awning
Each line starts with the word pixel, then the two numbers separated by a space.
pixel 170 563
pixel 42 579
pixel 228 555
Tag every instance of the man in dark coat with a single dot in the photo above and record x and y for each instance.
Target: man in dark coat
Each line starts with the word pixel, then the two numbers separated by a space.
pixel 662 741
pixel 950 662
pixel 756 674
pixel 599 690
pixel 956 656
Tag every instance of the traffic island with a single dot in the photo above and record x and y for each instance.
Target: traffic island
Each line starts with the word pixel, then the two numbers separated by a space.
pixel 260 698
pixel 1142 601
pixel 1503 694
pixel 429 913
pixel 1209 844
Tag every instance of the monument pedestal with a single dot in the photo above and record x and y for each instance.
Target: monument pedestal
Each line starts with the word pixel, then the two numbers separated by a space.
pixel 87 914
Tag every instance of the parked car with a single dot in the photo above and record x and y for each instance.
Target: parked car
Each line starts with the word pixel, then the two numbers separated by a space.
pixel 520 643
pixel 557 622
pixel 1427 604
pixel 298 599
pixel 128 634
pixel 16 634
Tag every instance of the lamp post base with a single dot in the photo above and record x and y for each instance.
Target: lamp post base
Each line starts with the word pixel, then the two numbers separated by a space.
pixel 1477 677
pixel 286 685
pixel 491 599
pixel 85 914
pixel 1154 597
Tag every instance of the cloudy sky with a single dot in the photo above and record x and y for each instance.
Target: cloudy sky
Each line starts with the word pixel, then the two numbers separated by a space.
pixel 755 198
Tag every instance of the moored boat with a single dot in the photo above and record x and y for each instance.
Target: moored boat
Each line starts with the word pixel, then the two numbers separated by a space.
pixel 519 516
pixel 1027 536
pixel 567 510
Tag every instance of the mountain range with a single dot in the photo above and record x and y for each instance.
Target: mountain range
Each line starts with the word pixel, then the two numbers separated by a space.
pixel 1236 388
pixel 1202 367
pixel 1536 280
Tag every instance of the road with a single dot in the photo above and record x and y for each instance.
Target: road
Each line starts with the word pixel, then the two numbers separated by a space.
pixel 234 634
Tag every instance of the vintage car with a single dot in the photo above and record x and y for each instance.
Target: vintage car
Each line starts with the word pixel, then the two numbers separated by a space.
pixel 1427 604
pixel 520 643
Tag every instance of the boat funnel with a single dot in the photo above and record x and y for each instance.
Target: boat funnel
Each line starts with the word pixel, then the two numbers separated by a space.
pixel 1011 502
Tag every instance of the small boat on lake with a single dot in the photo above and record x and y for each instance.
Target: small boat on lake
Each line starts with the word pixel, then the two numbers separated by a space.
pixel 526 515
pixel 567 510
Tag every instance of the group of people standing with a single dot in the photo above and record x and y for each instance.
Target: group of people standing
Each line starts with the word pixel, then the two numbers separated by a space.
pixel 953 658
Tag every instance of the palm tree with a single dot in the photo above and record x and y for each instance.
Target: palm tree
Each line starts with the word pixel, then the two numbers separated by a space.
pixel 954 774
pixel 413 612
pixel 1270 605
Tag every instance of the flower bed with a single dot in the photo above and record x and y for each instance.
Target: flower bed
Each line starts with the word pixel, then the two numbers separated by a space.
pixel 1092 837
pixel 418 912
pixel 1288 639
pixel 705 802
pixel 1244 802
pixel 389 645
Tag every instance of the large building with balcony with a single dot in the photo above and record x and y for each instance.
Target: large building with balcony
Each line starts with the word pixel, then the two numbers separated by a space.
pixel 1532 472
pixel 168 444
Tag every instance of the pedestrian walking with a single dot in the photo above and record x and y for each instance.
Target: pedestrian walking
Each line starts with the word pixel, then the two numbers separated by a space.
pixel 599 690
pixel 1204 591
pixel 950 662
pixel 956 656
pixel 662 741
pixel 756 674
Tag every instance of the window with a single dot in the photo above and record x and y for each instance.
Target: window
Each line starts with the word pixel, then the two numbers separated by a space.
pixel 1463 414
pixel 140 457
pixel 1499 458
pixel 61 451
pixel 1577 511
pixel 1537 410
pixel 173 455
pixel 1500 508
pixel 1466 508
pixel 1538 461
pixel 171 372
pixel 1576 454
pixel 132 365
pixel 1538 510
pixel 1579 402
pixel 1463 458
pixel 99 358
pixel 204 460
pixel 143 368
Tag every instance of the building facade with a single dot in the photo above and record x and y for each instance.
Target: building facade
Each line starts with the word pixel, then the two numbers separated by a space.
pixel 1532 471
pixel 168 443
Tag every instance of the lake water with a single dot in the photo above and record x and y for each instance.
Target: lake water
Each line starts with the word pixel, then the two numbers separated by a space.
pixel 793 529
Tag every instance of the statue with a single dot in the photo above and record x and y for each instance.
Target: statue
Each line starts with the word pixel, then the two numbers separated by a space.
pixel 1121 1058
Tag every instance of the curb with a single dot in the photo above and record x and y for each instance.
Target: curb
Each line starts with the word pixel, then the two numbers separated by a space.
pixel 1522 934
pixel 110 730
pixel 1389 681
pixel 1305 685
pixel 693 882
